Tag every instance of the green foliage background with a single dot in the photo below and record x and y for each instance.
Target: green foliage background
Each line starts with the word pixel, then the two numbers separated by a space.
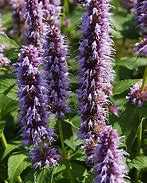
pixel 129 68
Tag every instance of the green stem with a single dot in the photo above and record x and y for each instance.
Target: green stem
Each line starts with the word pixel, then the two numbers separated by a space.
pixel 4 144
pixel 61 135
pixel 64 151
pixel 65 12
pixel 139 134
pixel 19 180
pixel 65 8
pixel 3 141
pixel 144 82
pixel 139 139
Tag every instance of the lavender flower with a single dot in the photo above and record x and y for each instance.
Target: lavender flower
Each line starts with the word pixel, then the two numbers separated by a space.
pixel 17 15
pixel 56 66
pixel 34 19
pixel 114 109
pixel 129 4
pixel 136 96
pixel 4 61
pixel 3 3
pixel 109 166
pixel 96 73
pixel 44 156
pixel 52 10
pixel 141 47
pixel 33 98
pixel 141 15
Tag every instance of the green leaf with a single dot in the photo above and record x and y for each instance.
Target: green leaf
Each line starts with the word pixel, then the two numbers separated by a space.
pixel 43 176
pixel 78 169
pixel 29 178
pixel 73 142
pixel 7 20
pixel 71 123
pixel 3 172
pixel 78 155
pixel 2 126
pixel 58 169
pixel 9 88
pixel 123 85
pixel 53 121
pixel 5 40
pixel 87 177
pixel 132 62
pixel 17 163
pixel 7 105
pixel 10 147
pixel 140 163
pixel 129 122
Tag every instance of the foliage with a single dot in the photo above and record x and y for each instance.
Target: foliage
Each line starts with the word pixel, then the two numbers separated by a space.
pixel 129 67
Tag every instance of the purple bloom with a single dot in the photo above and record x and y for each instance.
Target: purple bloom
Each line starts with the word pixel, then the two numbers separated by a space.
pixel 44 156
pixel 52 10
pixel 4 61
pixel 33 98
pixel 141 16
pixel 114 109
pixel 129 4
pixel 34 19
pixel 141 47
pixel 109 166
pixel 17 15
pixel 3 3
pixel 56 66
pixel 136 96
pixel 95 64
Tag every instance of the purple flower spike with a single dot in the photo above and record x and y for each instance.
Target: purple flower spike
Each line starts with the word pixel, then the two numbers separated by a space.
pixel 4 61
pixel 56 66
pixel 141 16
pixel 129 4
pixel 33 98
pixel 136 96
pixel 44 156
pixel 109 166
pixel 95 64
pixel 17 15
pixel 141 47
pixel 141 12
pixel 34 19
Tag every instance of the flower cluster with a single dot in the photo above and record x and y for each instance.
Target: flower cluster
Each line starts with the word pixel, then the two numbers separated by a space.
pixel 4 61
pixel 44 156
pixel 95 66
pixel 95 86
pixel 141 15
pixel 33 105
pixel 33 90
pixel 3 3
pixel 141 47
pixel 34 20
pixel 108 158
pixel 33 98
pixel 129 4
pixel 55 66
pixel 17 14
pixel 136 96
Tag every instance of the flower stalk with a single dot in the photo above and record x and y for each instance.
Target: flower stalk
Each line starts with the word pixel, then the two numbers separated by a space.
pixel 64 151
